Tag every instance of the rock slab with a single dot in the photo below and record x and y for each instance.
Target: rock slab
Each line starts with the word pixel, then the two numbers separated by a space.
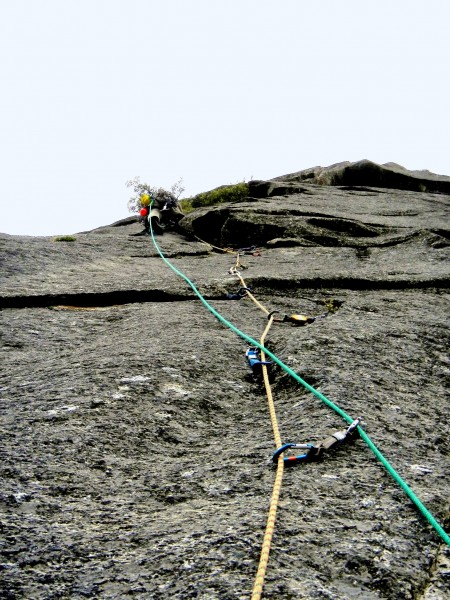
pixel 136 452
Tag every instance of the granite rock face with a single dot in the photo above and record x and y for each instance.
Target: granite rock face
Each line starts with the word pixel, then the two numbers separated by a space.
pixel 136 443
pixel 370 174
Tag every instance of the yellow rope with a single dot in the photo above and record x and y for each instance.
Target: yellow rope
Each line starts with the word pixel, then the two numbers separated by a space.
pixel 249 294
pixel 265 550
pixel 270 526
pixel 238 264
pixel 273 415
pixel 227 250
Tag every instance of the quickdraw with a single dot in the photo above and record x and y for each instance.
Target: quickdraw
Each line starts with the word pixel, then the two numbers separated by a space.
pixel 251 250
pixel 310 450
pixel 234 270
pixel 295 319
pixel 239 294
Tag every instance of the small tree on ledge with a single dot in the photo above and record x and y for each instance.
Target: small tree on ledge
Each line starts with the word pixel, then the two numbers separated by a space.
pixel 139 189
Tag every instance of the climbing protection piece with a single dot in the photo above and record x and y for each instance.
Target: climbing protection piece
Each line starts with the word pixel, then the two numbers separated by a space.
pixel 255 361
pixel 297 320
pixel 241 293
pixel 312 451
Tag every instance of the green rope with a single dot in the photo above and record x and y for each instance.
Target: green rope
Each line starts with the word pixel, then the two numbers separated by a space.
pixel 408 491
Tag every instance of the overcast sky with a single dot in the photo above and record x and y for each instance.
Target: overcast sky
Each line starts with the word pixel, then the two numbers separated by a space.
pixel 95 92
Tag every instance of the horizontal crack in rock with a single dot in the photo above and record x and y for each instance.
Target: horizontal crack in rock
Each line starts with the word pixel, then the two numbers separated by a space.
pixel 272 285
pixel 92 299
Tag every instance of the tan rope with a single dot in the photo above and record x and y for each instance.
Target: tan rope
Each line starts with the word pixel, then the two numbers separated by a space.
pixel 226 250
pixel 273 415
pixel 249 294
pixel 270 526
pixel 238 264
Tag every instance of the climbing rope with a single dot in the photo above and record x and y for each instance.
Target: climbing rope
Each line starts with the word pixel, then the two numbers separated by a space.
pixel 279 458
pixel 270 526
pixel 249 294
pixel 411 495
pixel 223 250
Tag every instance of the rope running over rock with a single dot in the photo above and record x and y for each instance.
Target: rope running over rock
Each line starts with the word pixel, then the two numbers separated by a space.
pixel 270 526
pixel 424 511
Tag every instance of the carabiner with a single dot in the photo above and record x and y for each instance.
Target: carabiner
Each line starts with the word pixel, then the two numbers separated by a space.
pixel 291 459
pixel 239 294
pixel 275 312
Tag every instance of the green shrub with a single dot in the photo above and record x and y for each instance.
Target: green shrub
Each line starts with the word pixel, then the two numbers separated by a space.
pixel 65 238
pixel 224 193
pixel 186 205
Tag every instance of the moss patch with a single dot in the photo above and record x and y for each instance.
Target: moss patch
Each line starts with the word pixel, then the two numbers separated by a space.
pixel 220 195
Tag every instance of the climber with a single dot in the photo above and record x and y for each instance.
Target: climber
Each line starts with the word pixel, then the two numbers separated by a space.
pixel 165 211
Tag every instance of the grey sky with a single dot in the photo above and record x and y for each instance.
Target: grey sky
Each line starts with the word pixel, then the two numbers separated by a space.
pixel 95 92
